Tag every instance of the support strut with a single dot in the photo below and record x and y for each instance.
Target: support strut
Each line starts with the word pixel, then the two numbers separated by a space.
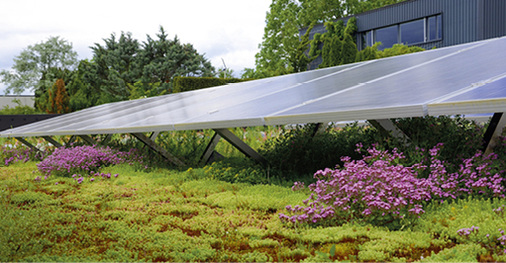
pixel 241 146
pixel 52 141
pixel 388 127
pixel 25 142
pixel 208 153
pixel 157 148
pixel 493 131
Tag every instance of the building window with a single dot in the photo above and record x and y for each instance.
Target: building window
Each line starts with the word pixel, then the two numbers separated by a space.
pixel 434 28
pixel 387 36
pixel 409 33
pixel 413 32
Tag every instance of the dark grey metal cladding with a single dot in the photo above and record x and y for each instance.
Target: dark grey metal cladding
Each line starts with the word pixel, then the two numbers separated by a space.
pixel 460 18
pixel 463 21
pixel 494 18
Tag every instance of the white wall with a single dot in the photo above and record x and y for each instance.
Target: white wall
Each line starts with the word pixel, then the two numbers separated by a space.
pixel 8 100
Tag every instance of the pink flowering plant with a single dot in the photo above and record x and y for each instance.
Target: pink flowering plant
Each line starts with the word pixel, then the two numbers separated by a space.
pixel 18 154
pixel 476 176
pixel 377 186
pixel 379 189
pixel 80 161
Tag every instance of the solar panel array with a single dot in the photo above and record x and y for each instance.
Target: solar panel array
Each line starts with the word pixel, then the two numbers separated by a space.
pixel 464 79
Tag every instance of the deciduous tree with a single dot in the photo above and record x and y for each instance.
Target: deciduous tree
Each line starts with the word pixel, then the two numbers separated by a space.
pixel 285 18
pixel 31 70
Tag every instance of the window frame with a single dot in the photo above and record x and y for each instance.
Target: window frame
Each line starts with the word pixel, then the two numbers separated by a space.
pixel 439 34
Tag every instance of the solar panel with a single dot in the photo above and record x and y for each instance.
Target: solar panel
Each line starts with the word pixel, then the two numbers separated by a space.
pixel 430 82
pixel 407 92
pixel 486 97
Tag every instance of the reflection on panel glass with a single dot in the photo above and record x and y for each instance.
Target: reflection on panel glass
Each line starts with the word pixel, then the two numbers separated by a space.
pixel 412 32
pixel 387 36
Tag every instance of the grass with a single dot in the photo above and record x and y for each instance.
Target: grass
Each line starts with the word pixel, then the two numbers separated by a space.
pixel 170 215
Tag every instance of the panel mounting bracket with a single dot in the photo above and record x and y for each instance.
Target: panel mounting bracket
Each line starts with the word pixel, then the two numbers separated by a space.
pixel 320 128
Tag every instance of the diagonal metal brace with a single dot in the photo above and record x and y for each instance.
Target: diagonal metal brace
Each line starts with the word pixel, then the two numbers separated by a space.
pixel 206 156
pixel 52 141
pixel 493 131
pixel 241 146
pixel 25 142
pixel 388 127
pixel 157 148
pixel 88 139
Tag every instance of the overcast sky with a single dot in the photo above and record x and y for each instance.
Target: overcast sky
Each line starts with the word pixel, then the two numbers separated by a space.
pixel 221 29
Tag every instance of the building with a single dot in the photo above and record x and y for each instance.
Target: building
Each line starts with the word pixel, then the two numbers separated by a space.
pixel 12 101
pixel 428 23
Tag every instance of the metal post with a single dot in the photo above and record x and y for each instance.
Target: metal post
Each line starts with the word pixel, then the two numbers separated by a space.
pixel 320 128
pixel 107 138
pixel 71 140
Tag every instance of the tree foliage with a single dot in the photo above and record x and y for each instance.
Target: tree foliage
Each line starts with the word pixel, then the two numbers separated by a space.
pixel 280 46
pixel 58 98
pixel 32 67
pixel 123 68
pixel 336 46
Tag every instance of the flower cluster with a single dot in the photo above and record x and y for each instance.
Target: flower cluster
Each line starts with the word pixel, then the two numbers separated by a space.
pixel 79 178
pixel 375 185
pixel 500 210
pixel 476 176
pixel 80 161
pixel 379 185
pixel 298 186
pixel 467 231
pixel 13 155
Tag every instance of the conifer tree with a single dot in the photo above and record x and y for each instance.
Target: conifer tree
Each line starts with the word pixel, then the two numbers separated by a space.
pixel 58 98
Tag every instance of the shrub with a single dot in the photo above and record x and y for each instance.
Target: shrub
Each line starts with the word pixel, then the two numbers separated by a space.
pixel 19 109
pixel 182 84
pixel 235 170
pixel 299 151
pixel 461 138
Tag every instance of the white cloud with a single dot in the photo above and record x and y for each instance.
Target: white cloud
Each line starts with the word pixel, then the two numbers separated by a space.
pixel 228 29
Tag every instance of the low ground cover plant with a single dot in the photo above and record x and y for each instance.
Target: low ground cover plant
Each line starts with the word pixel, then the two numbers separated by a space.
pixel 170 215
pixel 381 204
